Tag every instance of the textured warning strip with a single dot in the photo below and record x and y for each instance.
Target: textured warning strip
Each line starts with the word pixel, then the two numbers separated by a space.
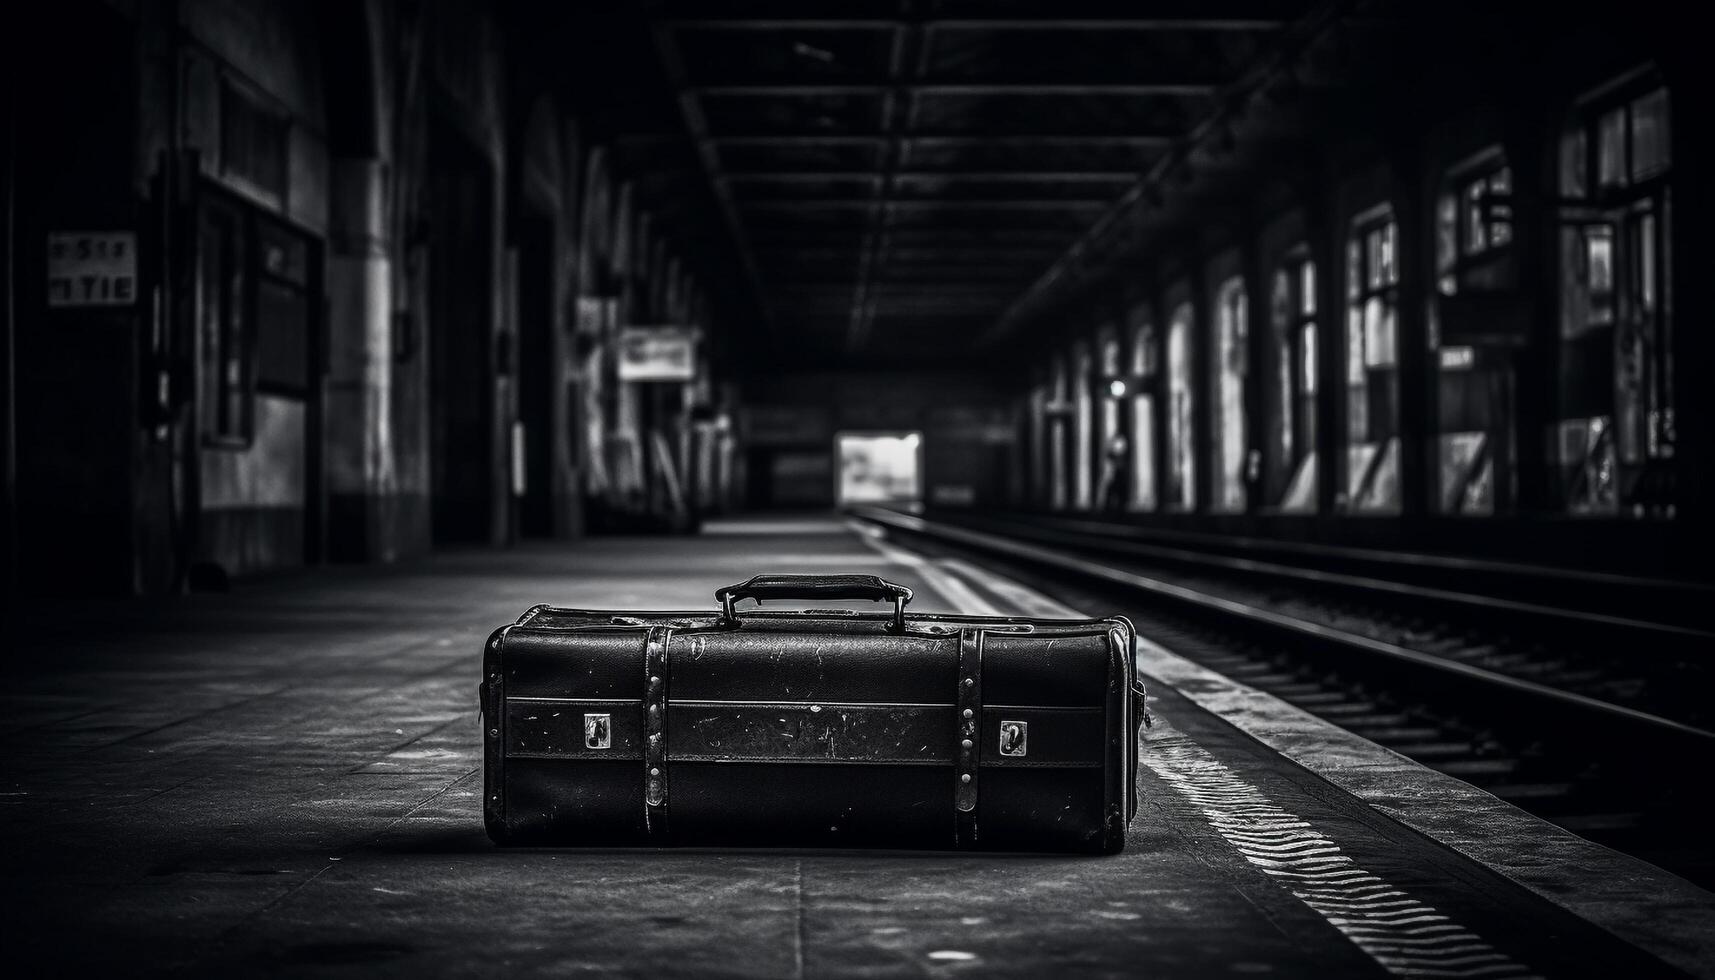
pixel 1404 935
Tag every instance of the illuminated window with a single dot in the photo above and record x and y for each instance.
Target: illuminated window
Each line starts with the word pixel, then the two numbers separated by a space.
pixel 1229 447
pixel 1473 221
pixel 1113 449
pixel 1083 423
pixel 1143 367
pixel 1370 463
pixel 1058 404
pixel 1612 444
pixel 1291 460
pixel 1038 462
pixel 1180 491
pixel 1472 387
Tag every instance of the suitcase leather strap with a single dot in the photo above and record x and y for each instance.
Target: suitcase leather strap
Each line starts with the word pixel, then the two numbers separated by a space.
pixel 969 702
pixel 655 730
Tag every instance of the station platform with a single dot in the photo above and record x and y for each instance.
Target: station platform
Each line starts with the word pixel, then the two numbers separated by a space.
pixel 285 779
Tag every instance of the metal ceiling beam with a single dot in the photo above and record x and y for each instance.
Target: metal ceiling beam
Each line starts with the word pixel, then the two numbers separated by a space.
pixel 1110 24
pixel 909 53
pixel 928 254
pixel 913 204
pixel 1011 139
pixel 1135 89
pixel 1289 49
pixel 783 24
pixel 924 236
pixel 956 290
pixel 1205 23
pixel 839 261
pixel 961 137
pixel 1018 176
pixel 794 176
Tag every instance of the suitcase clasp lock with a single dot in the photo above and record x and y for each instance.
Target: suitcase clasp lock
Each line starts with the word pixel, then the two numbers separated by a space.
pixel 598 731
pixel 1014 738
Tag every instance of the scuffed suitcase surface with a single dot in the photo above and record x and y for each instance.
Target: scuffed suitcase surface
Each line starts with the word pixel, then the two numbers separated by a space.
pixel 808 730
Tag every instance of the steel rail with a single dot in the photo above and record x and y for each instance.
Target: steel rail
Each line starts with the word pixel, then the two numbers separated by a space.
pixel 1488 680
pixel 1366 584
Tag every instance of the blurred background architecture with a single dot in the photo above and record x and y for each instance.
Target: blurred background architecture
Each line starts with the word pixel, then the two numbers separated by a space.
pixel 298 283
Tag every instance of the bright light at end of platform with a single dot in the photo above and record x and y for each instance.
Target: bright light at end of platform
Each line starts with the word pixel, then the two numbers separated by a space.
pixel 910 440
pixel 1116 388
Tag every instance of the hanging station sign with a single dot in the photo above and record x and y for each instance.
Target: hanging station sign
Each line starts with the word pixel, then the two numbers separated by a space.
pixel 92 268
pixel 657 354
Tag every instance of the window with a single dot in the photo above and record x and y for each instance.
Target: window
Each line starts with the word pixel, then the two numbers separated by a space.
pixel 1083 424
pixel 1180 491
pixel 1370 464
pixel 1143 368
pixel 1473 223
pixel 1472 385
pixel 1291 459
pixel 1036 476
pixel 1113 449
pixel 283 318
pixel 1059 493
pixel 226 375
pixel 1229 447
pixel 254 317
pixel 1612 444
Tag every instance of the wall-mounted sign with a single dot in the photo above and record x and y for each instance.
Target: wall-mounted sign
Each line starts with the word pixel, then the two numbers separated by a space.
pixel 657 354
pixel 92 268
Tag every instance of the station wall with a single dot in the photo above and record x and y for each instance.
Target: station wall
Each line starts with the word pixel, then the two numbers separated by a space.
pixel 380 272
pixel 1455 330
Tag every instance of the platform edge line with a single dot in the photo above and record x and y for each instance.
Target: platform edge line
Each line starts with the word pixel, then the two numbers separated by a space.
pixel 1620 881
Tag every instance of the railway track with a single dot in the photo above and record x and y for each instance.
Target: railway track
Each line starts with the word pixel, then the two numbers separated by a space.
pixel 1591 720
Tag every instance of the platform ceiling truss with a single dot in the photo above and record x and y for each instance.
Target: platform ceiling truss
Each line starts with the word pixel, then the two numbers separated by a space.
pixel 899 172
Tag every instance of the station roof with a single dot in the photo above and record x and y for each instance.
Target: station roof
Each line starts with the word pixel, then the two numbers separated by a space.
pixel 895 178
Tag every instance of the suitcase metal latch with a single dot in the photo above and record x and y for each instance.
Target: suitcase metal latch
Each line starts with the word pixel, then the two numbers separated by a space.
pixel 598 731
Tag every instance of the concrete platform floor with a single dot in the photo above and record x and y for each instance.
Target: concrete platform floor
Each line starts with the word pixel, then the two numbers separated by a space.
pixel 285 780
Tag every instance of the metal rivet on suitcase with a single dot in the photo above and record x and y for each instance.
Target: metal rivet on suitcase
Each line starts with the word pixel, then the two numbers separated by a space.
pixel 965 778
pixel 966 745
pixel 969 713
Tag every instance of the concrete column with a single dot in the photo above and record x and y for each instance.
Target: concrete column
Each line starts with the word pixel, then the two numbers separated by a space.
pixel 1328 251
pixel 1203 392
pixel 362 479
pixel 1412 212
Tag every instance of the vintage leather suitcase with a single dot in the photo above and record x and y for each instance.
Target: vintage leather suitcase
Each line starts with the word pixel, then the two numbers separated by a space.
pixel 818 728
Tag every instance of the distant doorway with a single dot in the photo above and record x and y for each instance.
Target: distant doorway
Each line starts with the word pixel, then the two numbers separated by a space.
pixel 879 467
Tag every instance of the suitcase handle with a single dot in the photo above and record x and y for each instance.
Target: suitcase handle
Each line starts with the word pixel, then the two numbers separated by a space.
pixel 761 587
